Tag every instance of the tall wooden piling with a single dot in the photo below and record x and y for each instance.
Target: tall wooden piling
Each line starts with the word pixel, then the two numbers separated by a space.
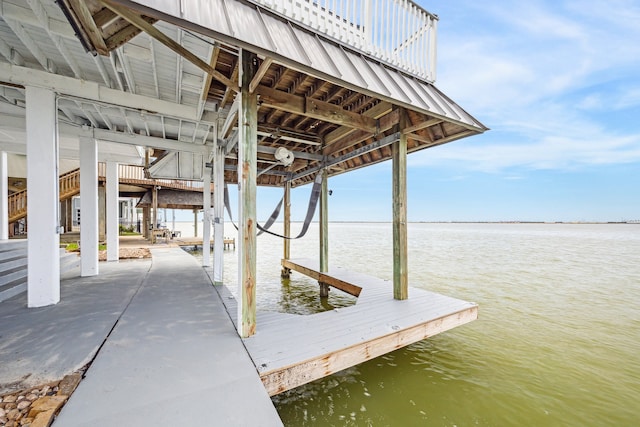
pixel 324 231
pixel 399 171
pixel 286 272
pixel 247 174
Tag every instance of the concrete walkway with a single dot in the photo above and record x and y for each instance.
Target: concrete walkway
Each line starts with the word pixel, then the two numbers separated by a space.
pixel 39 345
pixel 174 358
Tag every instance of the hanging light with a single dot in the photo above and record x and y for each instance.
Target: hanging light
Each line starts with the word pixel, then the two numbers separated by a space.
pixel 284 156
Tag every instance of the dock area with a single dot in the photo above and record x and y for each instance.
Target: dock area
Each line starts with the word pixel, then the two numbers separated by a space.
pixel 163 350
pixel 291 350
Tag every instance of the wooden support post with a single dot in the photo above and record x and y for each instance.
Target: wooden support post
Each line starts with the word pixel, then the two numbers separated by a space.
pixel 247 174
pixel 324 231
pixel 399 166
pixel 145 222
pixel 195 223
pixel 286 272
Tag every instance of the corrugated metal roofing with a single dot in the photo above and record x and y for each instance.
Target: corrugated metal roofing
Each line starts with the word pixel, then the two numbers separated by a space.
pixel 298 47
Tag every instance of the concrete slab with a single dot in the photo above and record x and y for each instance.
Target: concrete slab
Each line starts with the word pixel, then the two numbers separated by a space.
pixel 174 358
pixel 39 345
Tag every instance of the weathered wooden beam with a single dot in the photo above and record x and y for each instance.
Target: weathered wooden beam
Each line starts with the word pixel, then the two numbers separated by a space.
pixel 228 92
pixel 230 122
pixel 375 112
pixel 247 175
pixel 314 108
pixel 262 70
pixel 286 272
pixel 347 287
pixel 422 125
pixel 137 21
pixel 283 379
pixel 324 231
pixel 212 63
pixel 125 34
pixel 83 15
pixel 399 171
pixel 432 143
pixel 385 123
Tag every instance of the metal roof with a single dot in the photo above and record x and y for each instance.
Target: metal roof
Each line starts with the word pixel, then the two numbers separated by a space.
pixel 144 94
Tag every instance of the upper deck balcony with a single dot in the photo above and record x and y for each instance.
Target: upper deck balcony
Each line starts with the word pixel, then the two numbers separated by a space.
pixel 398 32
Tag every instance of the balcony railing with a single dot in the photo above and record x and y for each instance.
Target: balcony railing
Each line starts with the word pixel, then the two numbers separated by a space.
pixel 398 32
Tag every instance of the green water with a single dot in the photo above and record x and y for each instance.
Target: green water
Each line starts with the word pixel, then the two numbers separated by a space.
pixel 557 342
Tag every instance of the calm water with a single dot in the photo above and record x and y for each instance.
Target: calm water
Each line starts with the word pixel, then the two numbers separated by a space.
pixel 557 342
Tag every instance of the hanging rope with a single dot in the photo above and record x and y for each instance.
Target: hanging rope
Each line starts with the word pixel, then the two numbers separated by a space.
pixel 311 210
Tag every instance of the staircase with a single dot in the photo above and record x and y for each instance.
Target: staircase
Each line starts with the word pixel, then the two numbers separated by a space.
pixel 69 187
pixel 13 267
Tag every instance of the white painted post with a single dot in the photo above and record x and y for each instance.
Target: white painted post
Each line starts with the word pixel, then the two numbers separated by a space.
pixel 113 246
pixel 218 206
pixel 89 234
pixel 4 197
pixel 206 217
pixel 43 247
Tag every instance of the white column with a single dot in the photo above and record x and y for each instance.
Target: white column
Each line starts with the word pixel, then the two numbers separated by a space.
pixel 89 234
pixel 43 283
pixel 206 218
pixel 113 248
pixel 218 221
pixel 4 197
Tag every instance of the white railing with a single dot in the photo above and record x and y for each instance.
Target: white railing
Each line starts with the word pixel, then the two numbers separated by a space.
pixel 396 31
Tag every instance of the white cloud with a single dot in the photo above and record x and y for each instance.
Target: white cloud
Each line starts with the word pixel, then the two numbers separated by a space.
pixel 536 73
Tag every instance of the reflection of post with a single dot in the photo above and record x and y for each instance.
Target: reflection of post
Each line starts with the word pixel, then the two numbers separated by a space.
pixel 286 272
pixel 324 232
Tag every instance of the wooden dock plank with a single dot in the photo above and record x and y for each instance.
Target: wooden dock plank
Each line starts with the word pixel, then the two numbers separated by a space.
pixel 291 350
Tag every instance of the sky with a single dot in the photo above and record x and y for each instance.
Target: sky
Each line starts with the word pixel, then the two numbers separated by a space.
pixel 558 84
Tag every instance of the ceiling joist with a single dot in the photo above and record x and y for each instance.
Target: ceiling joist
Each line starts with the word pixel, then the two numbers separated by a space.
pixel 314 108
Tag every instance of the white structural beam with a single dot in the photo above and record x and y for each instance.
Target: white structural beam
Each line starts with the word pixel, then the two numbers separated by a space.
pixel 89 232
pixel 113 247
pixel 206 217
pixel 43 283
pixel 4 195
pixel 93 91
pixel 218 206
pixel 10 122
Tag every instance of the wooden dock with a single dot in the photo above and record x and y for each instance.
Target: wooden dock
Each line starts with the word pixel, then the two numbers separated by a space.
pixel 197 241
pixel 291 350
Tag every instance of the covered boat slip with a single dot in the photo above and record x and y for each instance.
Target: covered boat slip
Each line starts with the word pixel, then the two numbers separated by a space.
pixel 273 93
pixel 290 350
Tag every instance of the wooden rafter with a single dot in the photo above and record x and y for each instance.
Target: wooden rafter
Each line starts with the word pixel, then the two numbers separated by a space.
pixel 212 62
pixel 85 21
pixel 314 108
pixel 139 22
pixel 262 70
